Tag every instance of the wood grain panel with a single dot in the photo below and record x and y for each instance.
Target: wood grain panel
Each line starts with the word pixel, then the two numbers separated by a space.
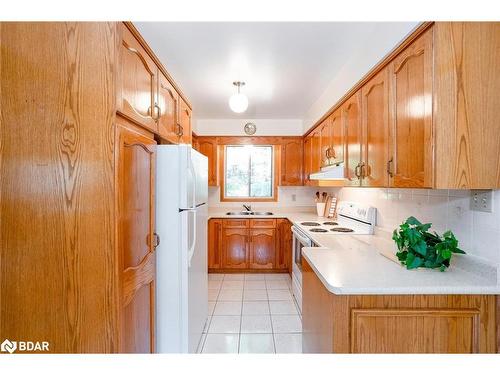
pixel 184 122
pixel 135 165
pixel 57 240
pixel 337 134
pixel 410 115
pixel 316 151
pixel 283 245
pixel 415 331
pixel 262 248
pixel 467 104
pixel 291 161
pixel 262 223
pixel 375 130
pixel 326 142
pixel 235 223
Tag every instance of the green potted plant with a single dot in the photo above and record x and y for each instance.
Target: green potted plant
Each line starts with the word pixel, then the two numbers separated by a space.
pixel 417 247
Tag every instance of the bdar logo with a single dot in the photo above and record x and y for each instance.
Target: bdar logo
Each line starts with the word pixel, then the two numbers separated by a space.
pixel 8 346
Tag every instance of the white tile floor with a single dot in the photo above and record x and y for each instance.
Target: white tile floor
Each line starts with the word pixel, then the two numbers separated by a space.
pixel 252 313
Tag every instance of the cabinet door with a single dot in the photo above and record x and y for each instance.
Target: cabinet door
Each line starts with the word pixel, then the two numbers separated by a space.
pixel 168 103
pixel 135 161
pixel 375 130
pixel 291 162
pixel 235 244
pixel 283 245
pixel 326 142
pixel 214 243
pixel 137 82
pixel 410 115
pixel 351 117
pixel 208 147
pixel 184 122
pixel 316 151
pixel 307 160
pixel 337 137
pixel 262 248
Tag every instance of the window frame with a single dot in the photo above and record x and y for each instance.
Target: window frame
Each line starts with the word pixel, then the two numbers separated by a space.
pixel 274 172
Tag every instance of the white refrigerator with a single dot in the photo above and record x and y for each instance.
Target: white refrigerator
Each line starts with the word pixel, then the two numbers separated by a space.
pixel 181 257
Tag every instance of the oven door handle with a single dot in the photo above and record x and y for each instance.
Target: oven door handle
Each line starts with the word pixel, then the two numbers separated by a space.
pixel 302 239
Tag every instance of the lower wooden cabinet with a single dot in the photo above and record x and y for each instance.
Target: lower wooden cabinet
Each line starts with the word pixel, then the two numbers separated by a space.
pixel 395 323
pixel 249 245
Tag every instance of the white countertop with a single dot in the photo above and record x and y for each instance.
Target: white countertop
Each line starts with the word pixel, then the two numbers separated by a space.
pixel 352 264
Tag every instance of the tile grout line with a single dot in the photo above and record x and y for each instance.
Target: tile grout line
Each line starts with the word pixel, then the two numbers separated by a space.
pixel 270 317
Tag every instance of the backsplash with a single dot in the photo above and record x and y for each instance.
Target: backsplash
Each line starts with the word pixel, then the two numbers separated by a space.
pixel 288 196
pixel 478 233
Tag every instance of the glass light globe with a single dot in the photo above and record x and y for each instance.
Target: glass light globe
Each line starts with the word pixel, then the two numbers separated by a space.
pixel 238 103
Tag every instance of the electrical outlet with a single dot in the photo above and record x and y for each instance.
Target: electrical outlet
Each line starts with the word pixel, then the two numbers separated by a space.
pixel 481 200
pixel 294 197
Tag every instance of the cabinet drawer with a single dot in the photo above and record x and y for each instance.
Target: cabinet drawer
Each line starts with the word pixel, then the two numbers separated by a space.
pixel 235 223
pixel 263 223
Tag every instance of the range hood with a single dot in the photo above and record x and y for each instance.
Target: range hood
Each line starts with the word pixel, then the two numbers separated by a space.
pixel 332 172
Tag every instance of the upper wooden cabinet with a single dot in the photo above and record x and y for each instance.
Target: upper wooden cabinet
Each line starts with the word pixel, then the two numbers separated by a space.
pixel 208 147
pixel 337 137
pixel 136 81
pixel 375 130
pixel 168 106
pixel 316 151
pixel 307 160
pixel 325 136
pixel 351 118
pixel 184 122
pixel 291 162
pixel 410 115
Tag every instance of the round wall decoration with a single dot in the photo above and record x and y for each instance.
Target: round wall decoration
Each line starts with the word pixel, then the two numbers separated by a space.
pixel 250 128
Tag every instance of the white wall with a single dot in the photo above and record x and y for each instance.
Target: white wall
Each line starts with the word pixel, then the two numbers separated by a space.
pixel 235 126
pixel 478 233
pixel 384 38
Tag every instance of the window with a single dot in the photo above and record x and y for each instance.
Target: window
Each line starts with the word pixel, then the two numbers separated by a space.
pixel 248 173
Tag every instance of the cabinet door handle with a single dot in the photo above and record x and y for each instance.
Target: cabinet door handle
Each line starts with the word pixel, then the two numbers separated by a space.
pixel 389 169
pixel 156 240
pixel 158 112
pixel 180 130
pixel 357 170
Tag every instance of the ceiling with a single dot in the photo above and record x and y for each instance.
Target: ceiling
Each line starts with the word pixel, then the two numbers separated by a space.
pixel 286 65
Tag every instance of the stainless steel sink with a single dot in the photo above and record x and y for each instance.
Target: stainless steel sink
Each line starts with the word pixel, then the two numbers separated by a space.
pixel 262 213
pixel 247 213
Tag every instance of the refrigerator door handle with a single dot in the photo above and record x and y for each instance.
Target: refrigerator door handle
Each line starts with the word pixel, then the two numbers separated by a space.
pixel 193 205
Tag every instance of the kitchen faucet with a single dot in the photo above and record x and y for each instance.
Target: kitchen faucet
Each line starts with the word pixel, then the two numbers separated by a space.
pixel 247 207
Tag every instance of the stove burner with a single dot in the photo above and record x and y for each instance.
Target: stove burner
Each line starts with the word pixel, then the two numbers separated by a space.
pixel 310 224
pixel 318 230
pixel 330 223
pixel 342 229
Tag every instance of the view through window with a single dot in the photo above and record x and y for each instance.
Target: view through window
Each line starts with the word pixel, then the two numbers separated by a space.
pixel 248 172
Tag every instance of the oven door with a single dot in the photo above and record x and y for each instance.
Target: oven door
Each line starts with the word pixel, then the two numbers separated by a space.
pixel 300 240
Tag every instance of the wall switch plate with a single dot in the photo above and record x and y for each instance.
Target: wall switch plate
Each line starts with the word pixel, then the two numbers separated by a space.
pixel 481 200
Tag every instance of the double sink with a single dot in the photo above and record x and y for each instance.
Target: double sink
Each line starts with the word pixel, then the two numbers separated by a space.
pixel 249 213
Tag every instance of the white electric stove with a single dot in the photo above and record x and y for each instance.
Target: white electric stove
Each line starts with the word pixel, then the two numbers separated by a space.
pixel 352 218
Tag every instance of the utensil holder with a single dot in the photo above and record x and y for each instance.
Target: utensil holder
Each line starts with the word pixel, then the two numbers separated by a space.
pixel 320 208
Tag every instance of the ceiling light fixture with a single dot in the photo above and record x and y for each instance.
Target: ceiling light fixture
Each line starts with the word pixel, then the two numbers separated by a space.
pixel 238 102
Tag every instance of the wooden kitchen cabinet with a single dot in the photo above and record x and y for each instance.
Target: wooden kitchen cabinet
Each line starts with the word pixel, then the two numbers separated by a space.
pixel 136 81
pixel 307 164
pixel 325 134
pixel 291 162
pixel 283 245
pixel 442 323
pixel 337 137
pixel 410 161
pixel 375 131
pixel 208 147
pixel 135 163
pixel 248 245
pixel 214 243
pixel 235 248
pixel 184 122
pixel 262 248
pixel 168 106
pixel 316 151
pixel 351 120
